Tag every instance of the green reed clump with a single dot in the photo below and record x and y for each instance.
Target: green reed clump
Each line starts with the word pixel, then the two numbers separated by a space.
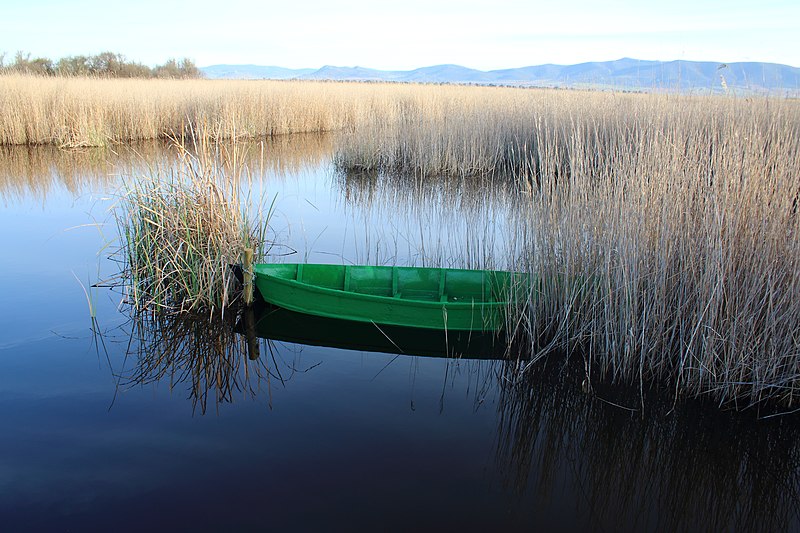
pixel 183 227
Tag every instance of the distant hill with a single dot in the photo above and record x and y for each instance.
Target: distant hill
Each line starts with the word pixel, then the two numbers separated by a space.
pixel 329 72
pixel 625 74
pixel 253 72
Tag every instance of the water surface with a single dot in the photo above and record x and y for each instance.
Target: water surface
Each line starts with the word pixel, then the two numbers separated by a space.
pixel 118 424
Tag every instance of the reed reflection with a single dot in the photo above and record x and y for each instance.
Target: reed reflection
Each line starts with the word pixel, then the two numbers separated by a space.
pixel 682 466
pixel 36 171
pixel 216 360
pixel 448 221
pixel 669 465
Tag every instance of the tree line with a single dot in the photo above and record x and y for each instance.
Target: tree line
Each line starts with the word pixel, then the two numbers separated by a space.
pixel 105 64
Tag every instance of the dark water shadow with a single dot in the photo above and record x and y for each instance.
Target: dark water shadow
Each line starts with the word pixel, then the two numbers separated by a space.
pixel 644 464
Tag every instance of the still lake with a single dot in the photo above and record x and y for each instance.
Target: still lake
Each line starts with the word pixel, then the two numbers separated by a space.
pixel 106 426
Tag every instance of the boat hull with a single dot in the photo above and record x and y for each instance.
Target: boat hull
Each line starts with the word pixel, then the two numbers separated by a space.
pixel 430 298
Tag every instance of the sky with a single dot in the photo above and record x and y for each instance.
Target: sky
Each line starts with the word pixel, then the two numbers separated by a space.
pixel 404 34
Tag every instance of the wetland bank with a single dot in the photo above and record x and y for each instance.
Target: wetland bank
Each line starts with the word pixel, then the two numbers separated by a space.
pixel 673 218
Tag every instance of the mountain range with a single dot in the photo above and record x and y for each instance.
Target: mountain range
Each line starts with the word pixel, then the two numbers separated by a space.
pixel 622 74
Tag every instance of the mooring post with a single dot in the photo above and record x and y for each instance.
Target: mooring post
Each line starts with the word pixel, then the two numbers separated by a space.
pixel 250 334
pixel 248 276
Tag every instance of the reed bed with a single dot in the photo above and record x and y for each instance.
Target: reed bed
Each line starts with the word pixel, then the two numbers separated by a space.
pixel 82 112
pixel 663 230
pixel 183 227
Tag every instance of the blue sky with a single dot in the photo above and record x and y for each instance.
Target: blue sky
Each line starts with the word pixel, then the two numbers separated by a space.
pixel 405 34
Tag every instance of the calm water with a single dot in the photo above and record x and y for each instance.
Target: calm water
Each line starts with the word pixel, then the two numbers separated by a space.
pixel 117 425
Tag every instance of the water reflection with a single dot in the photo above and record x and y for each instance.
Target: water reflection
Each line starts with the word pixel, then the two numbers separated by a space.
pixel 287 326
pixel 216 360
pixel 682 466
pixel 204 357
pixel 669 465
pixel 447 222
pixel 33 171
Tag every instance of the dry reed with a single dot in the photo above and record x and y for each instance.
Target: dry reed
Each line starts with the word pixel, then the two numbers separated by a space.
pixel 80 112
pixel 664 228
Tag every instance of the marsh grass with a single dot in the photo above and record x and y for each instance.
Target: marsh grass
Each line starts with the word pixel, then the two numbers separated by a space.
pixel 182 228
pixel 74 112
pixel 681 238
pixel 662 231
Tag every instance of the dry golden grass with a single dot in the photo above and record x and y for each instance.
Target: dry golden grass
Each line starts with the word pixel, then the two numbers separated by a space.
pixel 680 219
pixel 664 228
pixel 81 112
pixel 77 112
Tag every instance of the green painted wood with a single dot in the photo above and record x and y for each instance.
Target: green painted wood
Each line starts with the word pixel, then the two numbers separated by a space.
pixel 431 298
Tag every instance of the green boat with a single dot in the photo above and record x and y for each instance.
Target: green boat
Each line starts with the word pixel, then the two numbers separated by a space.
pixel 431 298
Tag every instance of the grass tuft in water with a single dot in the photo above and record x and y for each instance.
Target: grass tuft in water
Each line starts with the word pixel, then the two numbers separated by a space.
pixel 183 227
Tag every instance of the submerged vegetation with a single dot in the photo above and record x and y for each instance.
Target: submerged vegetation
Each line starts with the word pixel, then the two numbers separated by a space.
pixel 664 228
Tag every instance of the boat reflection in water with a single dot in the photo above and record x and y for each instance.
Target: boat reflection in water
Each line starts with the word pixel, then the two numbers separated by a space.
pixel 279 324
pixel 220 359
